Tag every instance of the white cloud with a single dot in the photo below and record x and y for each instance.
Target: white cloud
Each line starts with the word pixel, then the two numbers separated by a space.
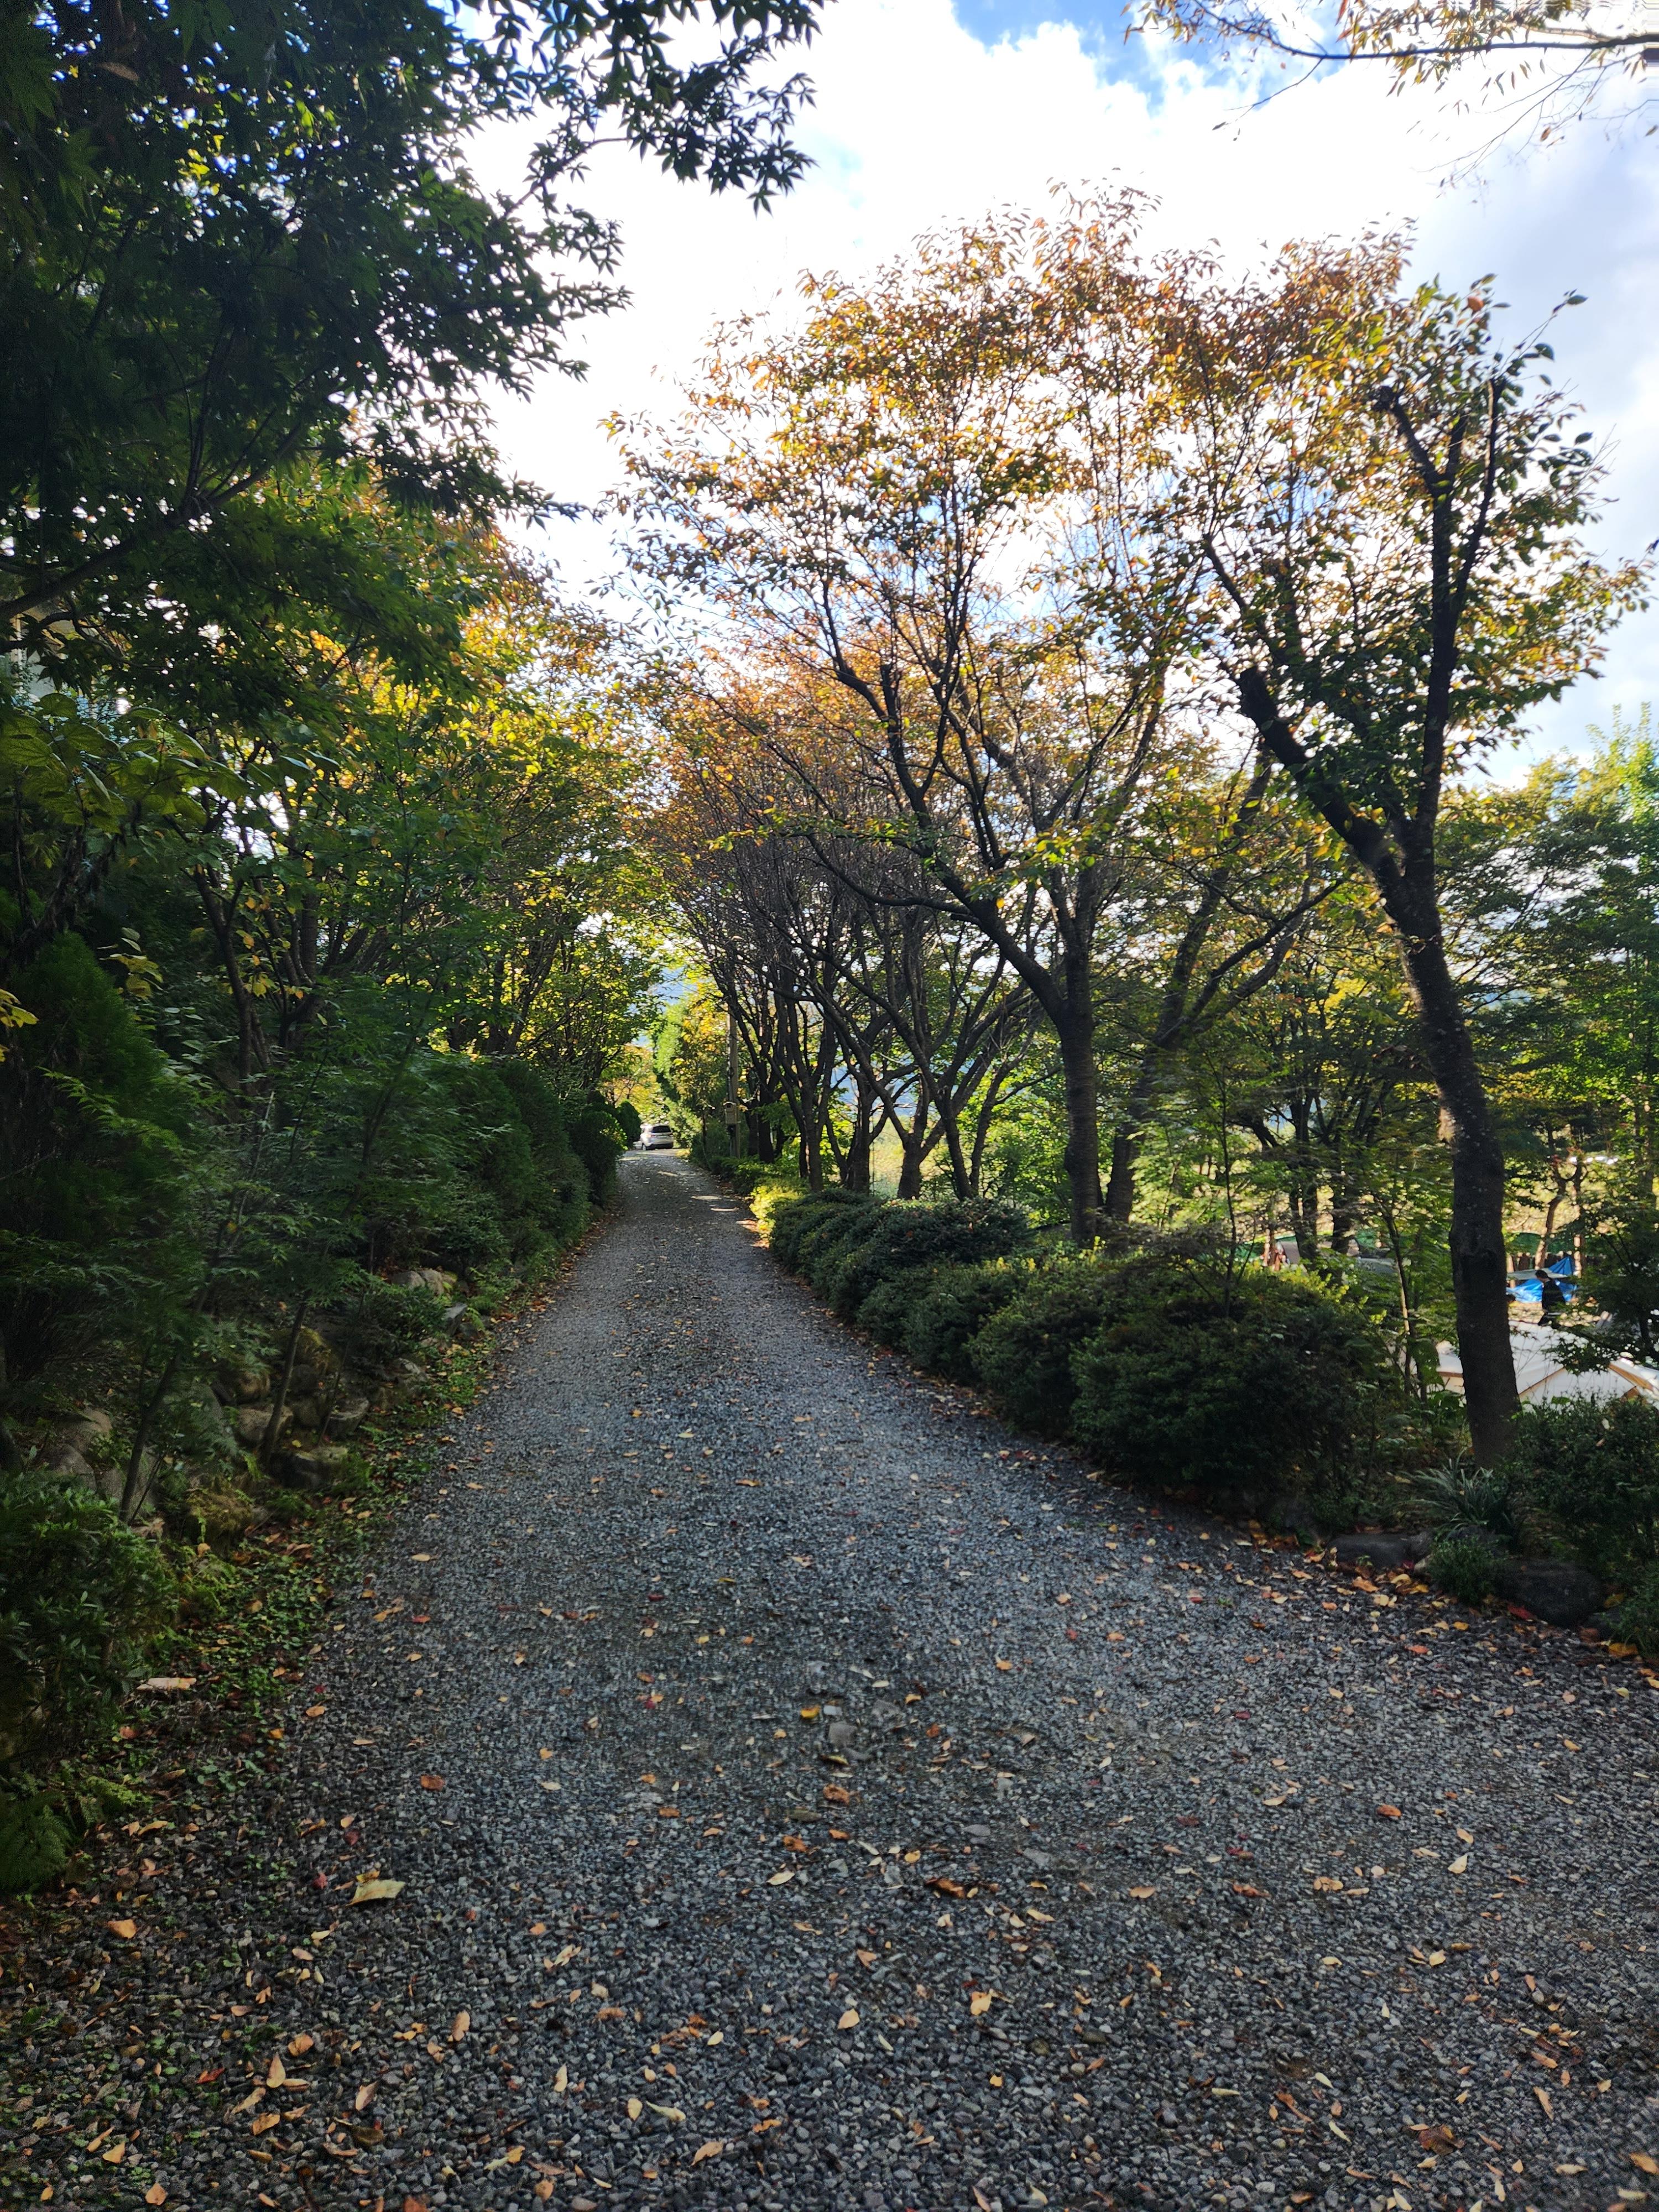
pixel 917 123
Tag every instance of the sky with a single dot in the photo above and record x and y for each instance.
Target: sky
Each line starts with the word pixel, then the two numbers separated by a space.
pixel 928 113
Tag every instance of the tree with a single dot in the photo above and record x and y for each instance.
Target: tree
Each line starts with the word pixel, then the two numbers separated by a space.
pixel 238 237
pixel 885 505
pixel 1388 501
pixel 1549 59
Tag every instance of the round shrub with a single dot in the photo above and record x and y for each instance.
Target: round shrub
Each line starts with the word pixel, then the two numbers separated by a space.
pixel 1589 1470
pixel 1230 1383
pixel 791 1221
pixel 1023 1353
pixel 1464 1565
pixel 909 1236
pixel 885 1311
pixel 79 1591
pixel 941 1322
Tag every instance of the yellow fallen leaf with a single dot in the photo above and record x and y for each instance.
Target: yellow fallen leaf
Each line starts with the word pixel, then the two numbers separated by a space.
pixel 1327 1881
pixel 708 2150
pixel 299 2045
pixel 115 2154
pixel 980 2003
pixel 669 2112
pixel 1004 1666
pixel 432 1781
pixel 264 2121
pixel 155 2194
pixel 1543 2097
pixel 634 2108
pixel 315 1713
pixel 1639 2158
pixel 1144 1890
pixel 459 2026
pixel 783 1875
pixel 1460 1864
pixel 849 2018
pixel 126 1930
pixel 254 2097
pixel 1389 1812
pixel 276 2074
pixel 364 2097
pixel 810 1712
pixel 376 1892
pixel 561 2081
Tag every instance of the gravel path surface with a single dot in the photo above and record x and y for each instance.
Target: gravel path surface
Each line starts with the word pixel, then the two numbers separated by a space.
pixel 807 1794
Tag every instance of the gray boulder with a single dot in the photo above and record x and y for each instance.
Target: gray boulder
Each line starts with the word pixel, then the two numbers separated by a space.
pixel 346 1416
pixel 1552 1590
pixel 317 1468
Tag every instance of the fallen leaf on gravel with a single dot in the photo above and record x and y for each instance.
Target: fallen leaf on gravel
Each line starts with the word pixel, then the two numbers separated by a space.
pixel 566 1954
pixel 561 2081
pixel 315 1713
pixel 1435 2138
pixel 849 2018
pixel 459 2026
pixel 413 2205
pixel 299 2045
pixel 783 1875
pixel 634 2108
pixel 669 2112
pixel 364 2097
pixel 265 2120
pixel 432 1781
pixel 161 1685
pixel 253 2098
pixel 1639 2158
pixel 708 2150
pixel 833 1793
pixel 1460 1864
pixel 1144 1891
pixel 1327 1881
pixel 944 1886
pixel 1389 1812
pixel 208 2074
pixel 376 1892
pixel 810 1712
pixel 1543 2097
pixel 1004 1666
pixel 155 2194
pixel 980 2003
pixel 126 1930
pixel 276 2074
pixel 1245 1889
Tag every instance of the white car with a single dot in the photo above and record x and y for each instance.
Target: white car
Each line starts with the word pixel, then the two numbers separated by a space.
pixel 656 1137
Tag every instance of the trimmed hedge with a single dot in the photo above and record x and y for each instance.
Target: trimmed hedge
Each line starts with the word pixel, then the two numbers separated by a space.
pixel 941 1326
pixel 1589 1472
pixel 1023 1352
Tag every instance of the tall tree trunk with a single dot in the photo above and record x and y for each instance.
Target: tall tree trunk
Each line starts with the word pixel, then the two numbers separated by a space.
pixel 1077 1061
pixel 1479 1261
pixel 855 1170
pixel 1120 1201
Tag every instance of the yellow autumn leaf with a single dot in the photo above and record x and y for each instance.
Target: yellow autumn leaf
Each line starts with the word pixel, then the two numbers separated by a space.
pixel 1640 2159
pixel 459 2026
pixel 849 2018
pixel 264 2121
pixel 364 2097
pixel 634 2108
pixel 669 2112
pixel 1460 1864
pixel 376 1892
pixel 115 2154
pixel 1144 1890
pixel 1004 1666
pixel 980 2003
pixel 783 1875
pixel 276 2074
pixel 155 2194
pixel 708 2150
pixel 126 1930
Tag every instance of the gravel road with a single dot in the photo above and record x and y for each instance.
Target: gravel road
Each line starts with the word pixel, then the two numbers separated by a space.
pixel 807 1794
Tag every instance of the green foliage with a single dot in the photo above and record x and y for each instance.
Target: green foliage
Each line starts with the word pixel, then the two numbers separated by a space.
pixel 1024 1353
pixel 1460 1499
pixel 1590 1471
pixel 1464 1564
pixel 34 1844
pixel 903 1238
pixel 942 1321
pixel 80 1593
pixel 1637 1620
pixel 1234 1383
pixel 797 1224
pixel 1621 1270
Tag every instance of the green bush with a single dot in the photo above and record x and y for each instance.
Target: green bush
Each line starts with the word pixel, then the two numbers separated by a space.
pixel 34 1844
pixel 942 1321
pixel 1637 1620
pixel 906 1237
pixel 79 1592
pixel 885 1311
pixel 1464 1565
pixel 1459 1499
pixel 1590 1471
pixel 1231 1383
pixel 791 1221
pixel 1023 1352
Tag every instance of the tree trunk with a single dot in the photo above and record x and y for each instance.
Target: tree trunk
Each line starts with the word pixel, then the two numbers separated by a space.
pixel 1479 1261
pixel 1077 1061
pixel 855 1172
pixel 1120 1201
